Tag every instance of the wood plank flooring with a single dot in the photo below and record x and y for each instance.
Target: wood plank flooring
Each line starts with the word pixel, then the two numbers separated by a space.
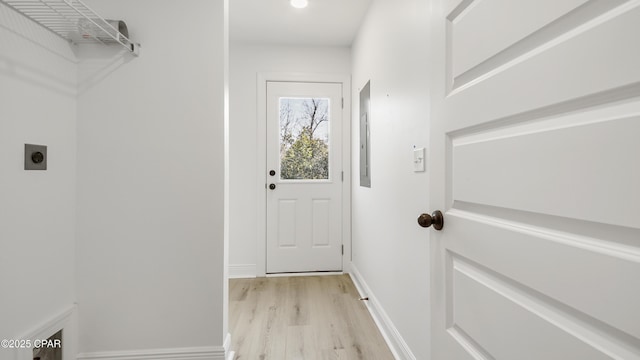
pixel 302 318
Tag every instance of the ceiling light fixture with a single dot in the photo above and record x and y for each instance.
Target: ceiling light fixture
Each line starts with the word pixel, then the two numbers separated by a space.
pixel 299 4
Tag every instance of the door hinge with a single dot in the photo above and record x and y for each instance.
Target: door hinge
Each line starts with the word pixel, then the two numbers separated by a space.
pixel 342 175
pixel 343 103
pixel 342 249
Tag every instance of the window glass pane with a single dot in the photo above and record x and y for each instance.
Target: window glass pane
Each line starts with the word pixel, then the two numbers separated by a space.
pixel 304 138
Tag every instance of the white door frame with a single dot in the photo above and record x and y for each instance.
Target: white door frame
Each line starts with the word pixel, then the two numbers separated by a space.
pixel 261 141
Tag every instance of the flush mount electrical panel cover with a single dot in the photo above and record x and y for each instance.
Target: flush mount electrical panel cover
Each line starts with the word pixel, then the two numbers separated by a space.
pixel 365 136
pixel 35 157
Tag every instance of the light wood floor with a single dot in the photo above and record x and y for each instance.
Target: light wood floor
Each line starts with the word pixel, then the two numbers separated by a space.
pixel 302 318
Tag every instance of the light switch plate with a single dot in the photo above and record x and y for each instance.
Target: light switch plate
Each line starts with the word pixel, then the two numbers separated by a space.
pixel 419 160
pixel 35 157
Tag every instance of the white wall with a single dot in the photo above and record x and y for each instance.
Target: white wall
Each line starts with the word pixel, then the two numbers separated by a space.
pixel 390 251
pixel 37 208
pixel 246 61
pixel 150 181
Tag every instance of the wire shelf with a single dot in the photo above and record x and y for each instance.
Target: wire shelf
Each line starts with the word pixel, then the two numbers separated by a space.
pixel 74 21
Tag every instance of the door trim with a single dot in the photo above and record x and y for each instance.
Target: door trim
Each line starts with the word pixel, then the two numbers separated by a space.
pixel 261 161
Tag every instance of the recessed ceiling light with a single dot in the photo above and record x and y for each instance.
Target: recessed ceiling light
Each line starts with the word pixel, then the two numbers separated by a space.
pixel 300 4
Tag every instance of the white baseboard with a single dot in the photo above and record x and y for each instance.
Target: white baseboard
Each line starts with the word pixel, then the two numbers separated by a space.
pixel 227 348
pixel 319 273
pixel 195 353
pixel 242 271
pixel 394 340
pixel 66 321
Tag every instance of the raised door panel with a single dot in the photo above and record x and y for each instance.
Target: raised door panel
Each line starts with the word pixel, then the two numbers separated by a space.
pixel 576 166
pixel 563 72
pixel 475 40
pixel 287 223
pixel 548 333
pixel 321 222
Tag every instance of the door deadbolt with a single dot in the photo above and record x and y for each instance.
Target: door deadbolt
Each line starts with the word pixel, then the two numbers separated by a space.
pixel 272 186
pixel 272 172
pixel 436 219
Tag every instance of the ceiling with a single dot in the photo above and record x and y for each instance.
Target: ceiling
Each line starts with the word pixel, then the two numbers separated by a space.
pixel 275 22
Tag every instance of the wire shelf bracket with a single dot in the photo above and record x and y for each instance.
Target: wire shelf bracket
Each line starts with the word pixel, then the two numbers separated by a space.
pixel 75 22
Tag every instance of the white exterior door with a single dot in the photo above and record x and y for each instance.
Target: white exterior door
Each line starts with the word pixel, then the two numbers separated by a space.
pixel 536 164
pixel 304 177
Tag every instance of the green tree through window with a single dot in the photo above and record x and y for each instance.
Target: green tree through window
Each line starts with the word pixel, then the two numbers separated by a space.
pixel 304 138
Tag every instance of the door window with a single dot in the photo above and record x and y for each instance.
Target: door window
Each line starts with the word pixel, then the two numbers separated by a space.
pixel 304 138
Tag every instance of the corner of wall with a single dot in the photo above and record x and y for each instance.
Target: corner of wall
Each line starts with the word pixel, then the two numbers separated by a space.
pixel 390 333
pixel 66 321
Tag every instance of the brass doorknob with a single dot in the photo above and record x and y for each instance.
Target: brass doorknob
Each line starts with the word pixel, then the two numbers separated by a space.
pixel 436 219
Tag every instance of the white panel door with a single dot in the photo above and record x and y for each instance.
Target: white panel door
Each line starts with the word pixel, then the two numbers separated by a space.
pixel 304 175
pixel 535 162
